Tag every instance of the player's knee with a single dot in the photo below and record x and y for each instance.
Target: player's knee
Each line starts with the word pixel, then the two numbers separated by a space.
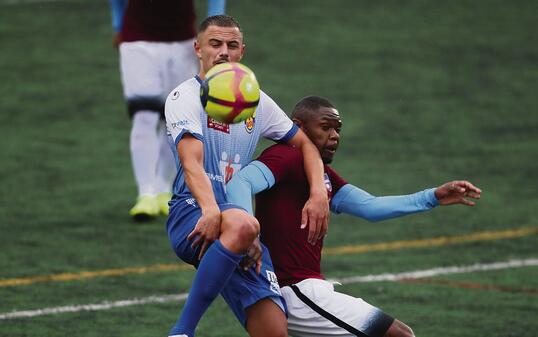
pixel 239 228
pixel 246 230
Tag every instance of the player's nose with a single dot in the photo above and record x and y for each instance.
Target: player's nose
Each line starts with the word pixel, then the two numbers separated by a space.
pixel 223 52
pixel 334 135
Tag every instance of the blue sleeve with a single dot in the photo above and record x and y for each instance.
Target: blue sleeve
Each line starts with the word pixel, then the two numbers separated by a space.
pixel 215 7
pixel 117 8
pixel 352 200
pixel 253 178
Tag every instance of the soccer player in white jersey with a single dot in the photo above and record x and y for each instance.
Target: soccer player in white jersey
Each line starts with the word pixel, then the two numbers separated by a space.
pixel 155 40
pixel 204 229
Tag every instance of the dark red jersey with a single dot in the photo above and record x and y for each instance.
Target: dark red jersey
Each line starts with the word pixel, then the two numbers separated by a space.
pixel 279 212
pixel 158 21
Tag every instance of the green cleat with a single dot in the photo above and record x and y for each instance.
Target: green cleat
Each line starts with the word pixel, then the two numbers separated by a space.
pixel 146 208
pixel 162 202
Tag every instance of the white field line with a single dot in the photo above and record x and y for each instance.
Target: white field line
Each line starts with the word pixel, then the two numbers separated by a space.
pixel 440 271
pixel 94 307
pixel 348 280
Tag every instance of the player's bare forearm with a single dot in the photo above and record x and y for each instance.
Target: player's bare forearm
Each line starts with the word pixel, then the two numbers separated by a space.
pixel 191 155
pixel 316 210
pixel 312 163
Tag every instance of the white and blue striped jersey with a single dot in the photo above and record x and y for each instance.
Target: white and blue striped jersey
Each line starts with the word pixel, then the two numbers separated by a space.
pixel 227 147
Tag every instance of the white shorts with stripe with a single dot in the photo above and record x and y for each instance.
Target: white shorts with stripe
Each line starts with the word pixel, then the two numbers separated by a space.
pixel 151 70
pixel 315 309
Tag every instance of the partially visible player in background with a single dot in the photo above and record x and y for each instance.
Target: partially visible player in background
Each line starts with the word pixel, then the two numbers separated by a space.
pixel 315 309
pixel 155 40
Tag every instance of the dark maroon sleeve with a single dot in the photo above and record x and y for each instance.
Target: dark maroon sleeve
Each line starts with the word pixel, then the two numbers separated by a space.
pixel 284 161
pixel 336 181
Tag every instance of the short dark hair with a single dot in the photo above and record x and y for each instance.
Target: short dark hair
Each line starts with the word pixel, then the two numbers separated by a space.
pixel 220 20
pixel 308 105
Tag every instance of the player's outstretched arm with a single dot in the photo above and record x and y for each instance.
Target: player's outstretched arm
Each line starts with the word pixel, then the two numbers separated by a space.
pixel 352 200
pixel 315 212
pixel 457 192
pixel 207 229
pixel 355 201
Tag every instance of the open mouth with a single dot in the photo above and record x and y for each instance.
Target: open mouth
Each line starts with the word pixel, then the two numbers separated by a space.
pixel 331 151
pixel 331 148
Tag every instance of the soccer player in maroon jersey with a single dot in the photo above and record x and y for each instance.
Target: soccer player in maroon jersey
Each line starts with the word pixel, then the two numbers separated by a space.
pixel 277 177
pixel 155 41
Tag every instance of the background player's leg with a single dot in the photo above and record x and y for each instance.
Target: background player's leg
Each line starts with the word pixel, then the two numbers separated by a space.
pixel 177 63
pixel 144 145
pixel 165 171
pixel 266 319
pixel 399 329
pixel 142 88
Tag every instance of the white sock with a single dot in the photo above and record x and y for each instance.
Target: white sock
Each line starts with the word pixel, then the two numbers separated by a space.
pixel 144 144
pixel 166 165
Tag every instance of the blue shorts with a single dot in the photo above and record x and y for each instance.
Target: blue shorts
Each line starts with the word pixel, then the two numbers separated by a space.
pixel 245 287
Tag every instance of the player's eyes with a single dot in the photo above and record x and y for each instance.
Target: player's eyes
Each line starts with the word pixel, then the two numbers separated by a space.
pixel 215 43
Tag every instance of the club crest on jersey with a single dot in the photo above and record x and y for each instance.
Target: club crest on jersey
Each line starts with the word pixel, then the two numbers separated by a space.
pixel 219 126
pixel 327 182
pixel 249 124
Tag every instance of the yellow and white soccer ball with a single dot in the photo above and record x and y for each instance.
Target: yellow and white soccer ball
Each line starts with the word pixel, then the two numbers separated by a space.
pixel 230 92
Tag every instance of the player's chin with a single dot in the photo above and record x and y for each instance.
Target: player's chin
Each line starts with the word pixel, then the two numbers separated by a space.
pixel 327 156
pixel 327 159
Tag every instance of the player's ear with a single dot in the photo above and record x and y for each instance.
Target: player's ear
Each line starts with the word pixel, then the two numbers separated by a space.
pixel 242 50
pixel 197 48
pixel 297 122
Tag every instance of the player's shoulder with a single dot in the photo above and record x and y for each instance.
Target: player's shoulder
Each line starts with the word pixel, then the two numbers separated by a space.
pixel 186 90
pixel 266 102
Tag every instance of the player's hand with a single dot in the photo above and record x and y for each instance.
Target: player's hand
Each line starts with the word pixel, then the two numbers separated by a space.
pixel 206 231
pixel 315 215
pixel 253 257
pixel 456 192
